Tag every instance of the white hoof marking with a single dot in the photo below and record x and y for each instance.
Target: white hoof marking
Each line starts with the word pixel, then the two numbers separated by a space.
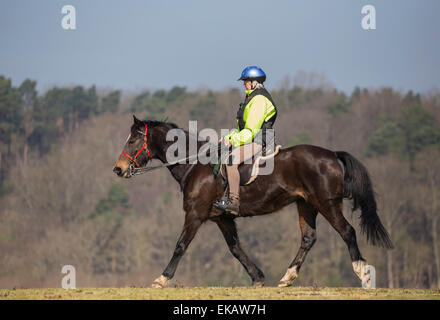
pixel 160 282
pixel 289 277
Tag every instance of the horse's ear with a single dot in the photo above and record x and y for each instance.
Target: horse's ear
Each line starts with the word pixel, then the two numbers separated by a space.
pixel 137 121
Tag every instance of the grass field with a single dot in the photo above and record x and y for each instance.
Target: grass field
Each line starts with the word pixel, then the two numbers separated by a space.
pixel 220 293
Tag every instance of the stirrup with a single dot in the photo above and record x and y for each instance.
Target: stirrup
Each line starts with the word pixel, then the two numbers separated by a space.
pixel 227 204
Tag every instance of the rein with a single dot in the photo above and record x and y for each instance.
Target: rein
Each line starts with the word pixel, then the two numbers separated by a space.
pixel 136 171
pixel 139 170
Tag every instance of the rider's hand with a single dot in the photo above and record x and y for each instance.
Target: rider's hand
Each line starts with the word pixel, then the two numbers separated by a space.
pixel 226 142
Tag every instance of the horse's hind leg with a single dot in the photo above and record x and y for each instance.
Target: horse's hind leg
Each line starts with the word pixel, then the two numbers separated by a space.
pixel 307 223
pixel 332 211
pixel 229 231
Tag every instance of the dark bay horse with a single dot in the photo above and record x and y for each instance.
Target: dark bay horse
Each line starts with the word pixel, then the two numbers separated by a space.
pixel 309 175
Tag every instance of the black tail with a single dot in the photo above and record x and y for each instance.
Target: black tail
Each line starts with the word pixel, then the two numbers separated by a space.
pixel 358 187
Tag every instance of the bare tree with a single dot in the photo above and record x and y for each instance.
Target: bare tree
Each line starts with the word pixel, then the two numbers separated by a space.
pixel 428 169
pixel 390 177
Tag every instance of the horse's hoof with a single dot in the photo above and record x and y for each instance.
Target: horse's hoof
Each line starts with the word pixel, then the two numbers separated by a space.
pixel 284 284
pixel 156 285
pixel 358 268
pixel 258 284
pixel 288 278
pixel 160 282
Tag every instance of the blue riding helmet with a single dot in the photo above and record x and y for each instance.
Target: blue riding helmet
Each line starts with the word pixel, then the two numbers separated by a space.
pixel 253 73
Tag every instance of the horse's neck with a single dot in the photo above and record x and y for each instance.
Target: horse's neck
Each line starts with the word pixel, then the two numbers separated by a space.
pixel 178 171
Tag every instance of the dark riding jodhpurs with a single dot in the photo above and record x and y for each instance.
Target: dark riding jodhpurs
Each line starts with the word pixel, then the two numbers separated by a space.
pixel 239 155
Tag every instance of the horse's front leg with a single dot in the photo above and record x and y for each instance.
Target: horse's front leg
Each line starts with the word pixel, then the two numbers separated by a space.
pixel 192 224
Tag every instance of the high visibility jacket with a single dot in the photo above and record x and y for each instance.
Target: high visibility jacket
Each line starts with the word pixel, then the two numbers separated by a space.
pixel 258 112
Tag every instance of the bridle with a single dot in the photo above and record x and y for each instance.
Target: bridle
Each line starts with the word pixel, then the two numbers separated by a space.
pixel 144 147
pixel 139 170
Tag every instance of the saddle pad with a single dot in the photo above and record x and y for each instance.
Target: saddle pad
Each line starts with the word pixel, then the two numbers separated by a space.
pixel 249 172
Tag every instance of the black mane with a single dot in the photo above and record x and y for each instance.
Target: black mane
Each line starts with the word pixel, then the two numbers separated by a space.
pixel 155 123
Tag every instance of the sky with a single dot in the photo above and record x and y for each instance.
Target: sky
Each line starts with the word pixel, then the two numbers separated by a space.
pixel 136 44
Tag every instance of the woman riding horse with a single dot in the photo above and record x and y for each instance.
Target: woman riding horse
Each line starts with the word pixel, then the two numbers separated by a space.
pixel 256 114
pixel 315 178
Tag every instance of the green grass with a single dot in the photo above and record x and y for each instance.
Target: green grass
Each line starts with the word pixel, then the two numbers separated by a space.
pixel 220 293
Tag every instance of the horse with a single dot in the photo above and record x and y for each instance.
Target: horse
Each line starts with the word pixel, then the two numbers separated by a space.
pixel 315 178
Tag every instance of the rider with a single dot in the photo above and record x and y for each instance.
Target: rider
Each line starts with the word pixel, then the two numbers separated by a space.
pixel 256 114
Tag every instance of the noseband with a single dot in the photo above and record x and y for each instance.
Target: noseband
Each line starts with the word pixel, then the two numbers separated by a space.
pixel 144 147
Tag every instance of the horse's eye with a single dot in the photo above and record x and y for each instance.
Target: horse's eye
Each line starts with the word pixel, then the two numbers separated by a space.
pixel 131 141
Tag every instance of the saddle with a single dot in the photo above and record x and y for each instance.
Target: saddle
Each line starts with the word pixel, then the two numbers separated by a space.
pixel 249 172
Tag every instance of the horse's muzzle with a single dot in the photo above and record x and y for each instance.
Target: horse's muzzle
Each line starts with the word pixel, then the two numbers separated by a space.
pixel 118 171
pixel 123 173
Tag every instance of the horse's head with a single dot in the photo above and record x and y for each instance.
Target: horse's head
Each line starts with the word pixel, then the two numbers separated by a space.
pixel 137 151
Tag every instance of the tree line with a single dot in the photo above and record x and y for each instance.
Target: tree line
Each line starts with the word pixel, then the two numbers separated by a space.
pixel 121 232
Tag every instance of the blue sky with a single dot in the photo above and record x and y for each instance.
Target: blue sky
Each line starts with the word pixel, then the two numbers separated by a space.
pixel 199 43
